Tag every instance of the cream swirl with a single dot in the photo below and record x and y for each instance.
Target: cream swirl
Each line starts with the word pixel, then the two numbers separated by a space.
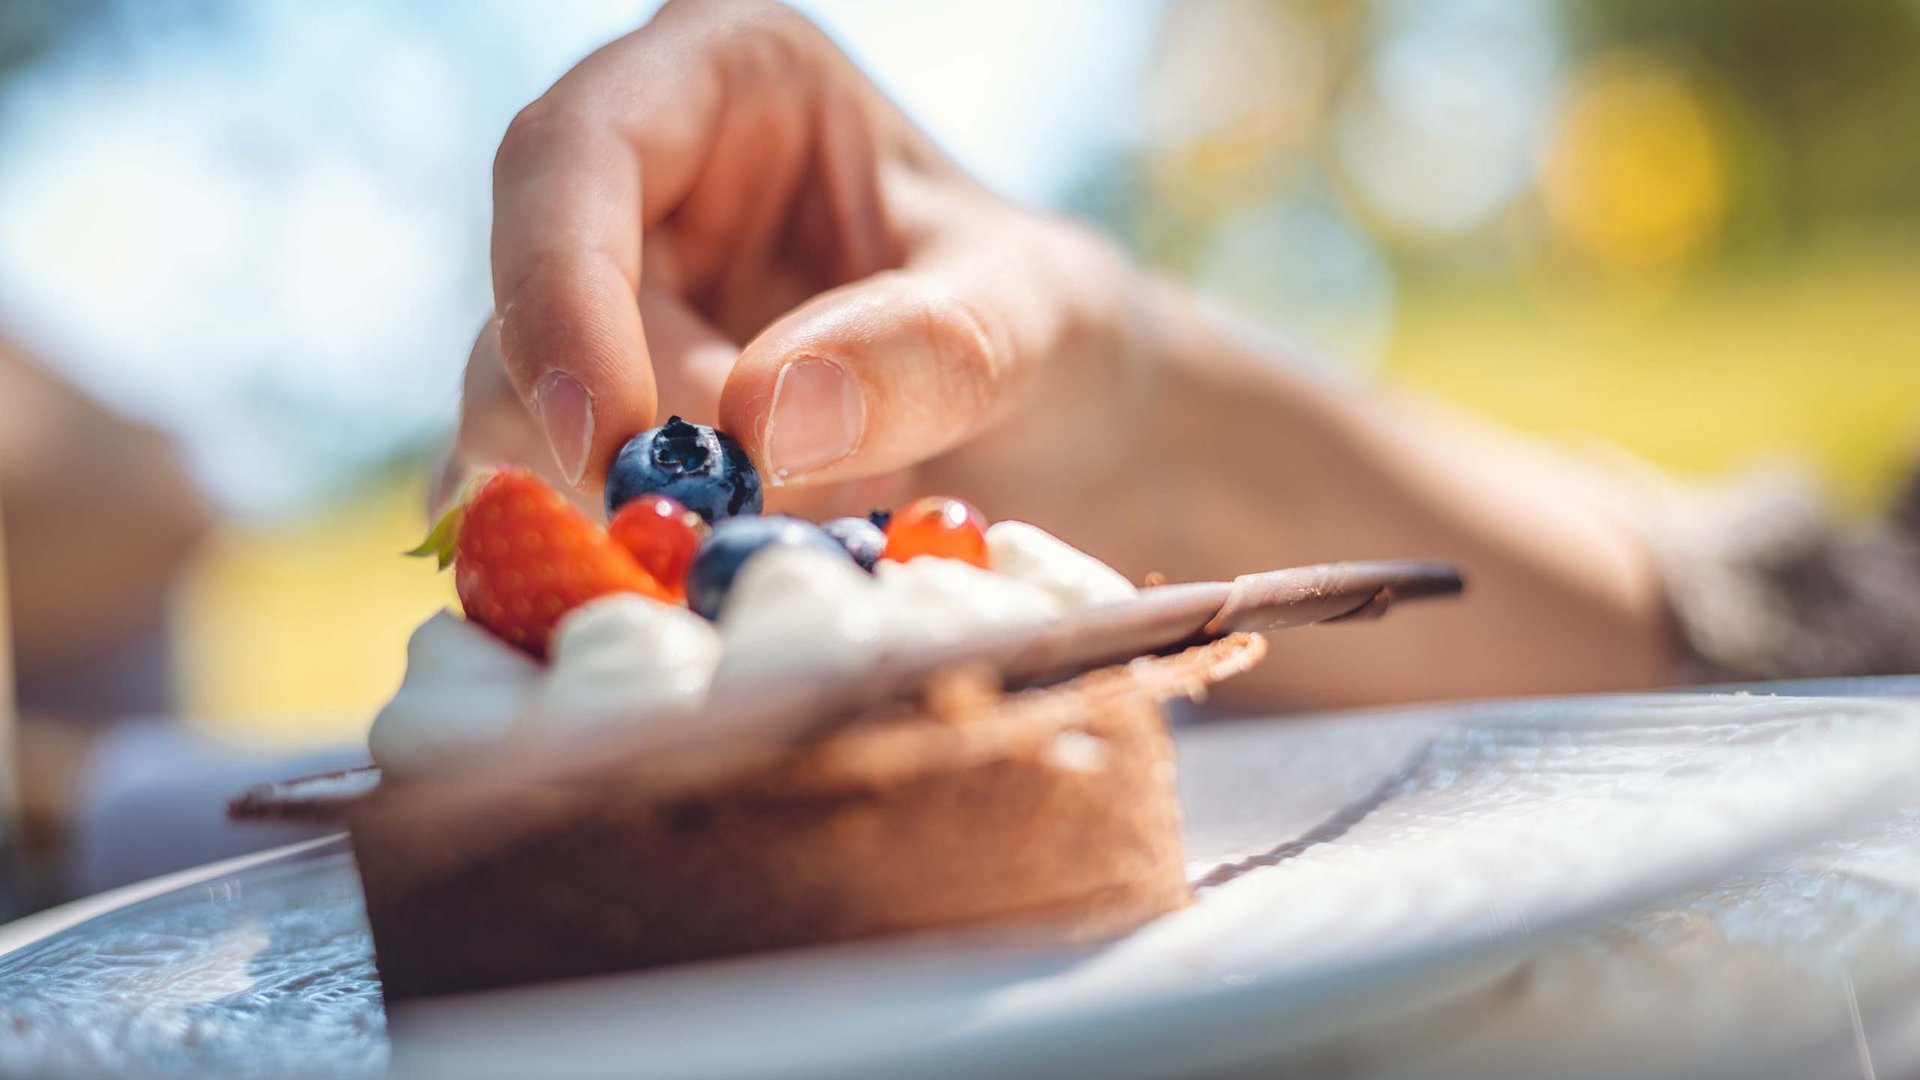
pixel 1031 554
pixel 792 612
pixel 623 656
pixel 463 688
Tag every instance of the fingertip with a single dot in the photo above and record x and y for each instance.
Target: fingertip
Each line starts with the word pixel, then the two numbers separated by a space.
pixel 872 377
pixel 816 419
pixel 565 411
pixel 572 341
pixel 744 401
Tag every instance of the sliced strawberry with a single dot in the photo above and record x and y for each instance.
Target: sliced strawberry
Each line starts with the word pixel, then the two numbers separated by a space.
pixel 523 556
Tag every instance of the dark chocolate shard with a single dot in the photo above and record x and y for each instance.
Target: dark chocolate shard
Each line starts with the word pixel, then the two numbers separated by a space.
pixel 1282 599
pixel 309 798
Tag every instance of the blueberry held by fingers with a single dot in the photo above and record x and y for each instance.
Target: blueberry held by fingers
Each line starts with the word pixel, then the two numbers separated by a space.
pixel 862 538
pixel 736 540
pixel 702 468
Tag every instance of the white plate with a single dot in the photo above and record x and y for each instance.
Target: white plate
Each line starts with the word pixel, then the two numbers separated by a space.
pixel 1387 857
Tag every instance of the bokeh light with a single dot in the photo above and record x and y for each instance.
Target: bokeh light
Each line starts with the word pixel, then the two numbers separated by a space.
pixel 1438 132
pixel 1636 175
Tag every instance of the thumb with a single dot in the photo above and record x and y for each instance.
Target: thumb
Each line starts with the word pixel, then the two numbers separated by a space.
pixel 878 375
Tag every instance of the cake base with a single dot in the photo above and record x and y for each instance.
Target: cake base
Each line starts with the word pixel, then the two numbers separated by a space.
pixel 1052 809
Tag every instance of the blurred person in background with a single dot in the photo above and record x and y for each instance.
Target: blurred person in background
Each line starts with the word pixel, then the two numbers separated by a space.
pixel 101 521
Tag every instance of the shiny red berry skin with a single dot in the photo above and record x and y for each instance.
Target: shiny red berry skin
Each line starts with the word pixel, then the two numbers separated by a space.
pixel 524 556
pixel 941 527
pixel 662 536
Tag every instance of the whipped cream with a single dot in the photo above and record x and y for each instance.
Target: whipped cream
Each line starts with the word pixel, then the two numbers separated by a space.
pixel 940 600
pixel 795 610
pixel 622 656
pixel 1031 554
pixel 791 612
pixel 463 688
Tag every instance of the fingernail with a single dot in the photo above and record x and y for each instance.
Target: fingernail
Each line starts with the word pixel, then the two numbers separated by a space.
pixel 816 419
pixel 566 412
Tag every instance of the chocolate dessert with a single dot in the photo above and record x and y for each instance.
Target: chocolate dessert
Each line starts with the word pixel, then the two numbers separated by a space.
pixel 692 735
pixel 1054 809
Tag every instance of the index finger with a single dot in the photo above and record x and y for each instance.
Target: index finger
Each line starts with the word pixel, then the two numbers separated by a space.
pixel 580 174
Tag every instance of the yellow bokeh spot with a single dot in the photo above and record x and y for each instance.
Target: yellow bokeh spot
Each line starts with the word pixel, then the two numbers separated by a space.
pixel 296 632
pixel 1636 173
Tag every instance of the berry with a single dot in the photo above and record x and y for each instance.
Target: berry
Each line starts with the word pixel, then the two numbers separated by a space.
pixel 523 556
pixel 703 468
pixel 662 536
pixel 862 538
pixel 733 542
pixel 938 526
pixel 880 518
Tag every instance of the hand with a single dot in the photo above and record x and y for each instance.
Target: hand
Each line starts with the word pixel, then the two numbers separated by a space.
pixel 718 216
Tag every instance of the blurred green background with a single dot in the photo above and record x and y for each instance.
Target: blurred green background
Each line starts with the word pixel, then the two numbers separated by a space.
pixel 1683 227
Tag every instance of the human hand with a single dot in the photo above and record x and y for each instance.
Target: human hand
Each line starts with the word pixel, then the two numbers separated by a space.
pixel 719 216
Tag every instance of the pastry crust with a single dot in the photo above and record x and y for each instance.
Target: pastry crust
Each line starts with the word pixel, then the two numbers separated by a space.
pixel 1053 810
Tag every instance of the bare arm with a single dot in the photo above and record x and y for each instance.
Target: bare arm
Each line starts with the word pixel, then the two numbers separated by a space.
pixel 1277 469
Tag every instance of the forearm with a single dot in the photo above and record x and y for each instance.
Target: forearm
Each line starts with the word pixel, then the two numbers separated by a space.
pixel 1248 465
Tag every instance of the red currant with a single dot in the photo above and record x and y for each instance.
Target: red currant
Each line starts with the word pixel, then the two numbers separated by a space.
pixel 662 536
pixel 938 526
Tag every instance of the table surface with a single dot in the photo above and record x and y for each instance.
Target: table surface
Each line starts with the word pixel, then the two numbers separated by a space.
pixel 1804 962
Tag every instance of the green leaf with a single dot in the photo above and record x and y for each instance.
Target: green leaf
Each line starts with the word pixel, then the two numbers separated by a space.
pixel 442 538
pixel 445 534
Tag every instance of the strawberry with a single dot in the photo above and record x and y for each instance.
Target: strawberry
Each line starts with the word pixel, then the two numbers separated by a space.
pixel 523 556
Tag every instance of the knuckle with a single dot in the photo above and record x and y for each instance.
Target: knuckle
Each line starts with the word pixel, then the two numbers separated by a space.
pixel 1088 265
pixel 775 19
pixel 532 134
pixel 521 140
pixel 757 43
pixel 768 45
pixel 968 350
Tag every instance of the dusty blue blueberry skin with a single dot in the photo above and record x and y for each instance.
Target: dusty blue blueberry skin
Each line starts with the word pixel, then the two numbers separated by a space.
pixel 733 542
pixel 862 539
pixel 702 468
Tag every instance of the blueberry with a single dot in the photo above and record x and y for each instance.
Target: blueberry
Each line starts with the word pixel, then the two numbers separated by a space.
pixel 881 518
pixel 735 540
pixel 704 469
pixel 861 537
